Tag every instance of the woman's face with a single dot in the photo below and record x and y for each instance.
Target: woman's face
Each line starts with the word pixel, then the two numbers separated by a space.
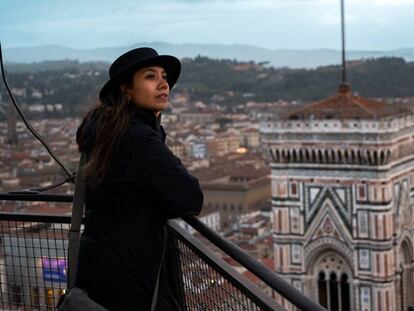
pixel 149 88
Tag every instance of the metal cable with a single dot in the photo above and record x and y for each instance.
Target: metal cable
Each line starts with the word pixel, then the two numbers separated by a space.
pixel 70 176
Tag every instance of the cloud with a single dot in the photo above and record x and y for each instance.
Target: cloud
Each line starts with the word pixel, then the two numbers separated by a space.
pixel 267 23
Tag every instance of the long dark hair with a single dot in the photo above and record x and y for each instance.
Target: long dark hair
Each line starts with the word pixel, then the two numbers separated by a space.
pixel 112 116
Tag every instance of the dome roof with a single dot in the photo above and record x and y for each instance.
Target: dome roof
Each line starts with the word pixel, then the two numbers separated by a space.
pixel 344 105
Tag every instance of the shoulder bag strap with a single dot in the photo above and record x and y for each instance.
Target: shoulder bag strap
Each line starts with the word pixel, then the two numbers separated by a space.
pixel 155 295
pixel 77 213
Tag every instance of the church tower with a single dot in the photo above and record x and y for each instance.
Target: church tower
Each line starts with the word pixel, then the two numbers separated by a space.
pixel 343 199
pixel 11 125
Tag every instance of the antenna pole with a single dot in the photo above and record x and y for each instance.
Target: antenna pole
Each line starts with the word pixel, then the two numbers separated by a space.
pixel 343 43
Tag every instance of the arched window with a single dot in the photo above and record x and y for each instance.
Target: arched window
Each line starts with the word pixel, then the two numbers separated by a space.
pixel 333 282
pixel 333 292
pixel 345 298
pixel 323 298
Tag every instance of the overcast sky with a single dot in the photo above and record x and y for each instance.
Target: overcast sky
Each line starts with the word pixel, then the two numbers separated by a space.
pixel 297 24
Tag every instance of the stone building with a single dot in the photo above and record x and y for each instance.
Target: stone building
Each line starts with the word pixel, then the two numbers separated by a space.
pixel 343 199
pixel 235 192
pixel 223 143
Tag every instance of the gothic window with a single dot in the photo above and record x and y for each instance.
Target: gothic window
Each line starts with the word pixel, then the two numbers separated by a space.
pixel 334 294
pixel 333 282
pixel 323 299
pixel 345 293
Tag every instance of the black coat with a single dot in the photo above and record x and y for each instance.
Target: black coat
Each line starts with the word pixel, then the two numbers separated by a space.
pixel 123 239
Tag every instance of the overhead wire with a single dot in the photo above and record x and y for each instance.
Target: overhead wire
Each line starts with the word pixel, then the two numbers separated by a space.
pixel 70 176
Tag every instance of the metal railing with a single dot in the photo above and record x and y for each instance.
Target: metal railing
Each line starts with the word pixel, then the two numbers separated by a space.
pixel 33 265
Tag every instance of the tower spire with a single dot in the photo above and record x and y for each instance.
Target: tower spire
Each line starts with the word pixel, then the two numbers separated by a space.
pixel 343 68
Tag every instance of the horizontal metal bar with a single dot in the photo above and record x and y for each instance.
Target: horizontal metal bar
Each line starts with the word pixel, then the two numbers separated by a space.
pixel 268 276
pixel 35 197
pixel 228 272
pixel 49 218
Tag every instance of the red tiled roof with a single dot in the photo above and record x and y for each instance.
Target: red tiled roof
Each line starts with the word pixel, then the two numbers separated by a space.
pixel 345 105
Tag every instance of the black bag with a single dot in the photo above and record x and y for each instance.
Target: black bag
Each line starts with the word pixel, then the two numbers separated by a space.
pixel 78 299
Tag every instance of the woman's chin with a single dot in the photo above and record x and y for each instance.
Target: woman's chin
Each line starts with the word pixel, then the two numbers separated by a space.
pixel 160 107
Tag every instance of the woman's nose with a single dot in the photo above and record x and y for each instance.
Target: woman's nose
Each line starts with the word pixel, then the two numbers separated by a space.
pixel 163 84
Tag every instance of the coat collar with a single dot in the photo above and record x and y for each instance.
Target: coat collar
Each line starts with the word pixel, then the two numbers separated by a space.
pixel 149 118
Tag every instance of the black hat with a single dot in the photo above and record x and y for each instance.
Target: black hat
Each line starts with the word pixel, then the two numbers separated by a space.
pixel 139 58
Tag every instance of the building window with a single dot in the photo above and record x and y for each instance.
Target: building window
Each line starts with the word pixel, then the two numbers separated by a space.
pixel 361 192
pixel 345 293
pixel 294 189
pixel 334 294
pixel 322 293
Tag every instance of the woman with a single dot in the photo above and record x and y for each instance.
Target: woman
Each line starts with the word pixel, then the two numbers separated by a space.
pixel 134 184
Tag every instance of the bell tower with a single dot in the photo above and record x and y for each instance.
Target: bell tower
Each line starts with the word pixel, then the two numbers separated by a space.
pixel 343 217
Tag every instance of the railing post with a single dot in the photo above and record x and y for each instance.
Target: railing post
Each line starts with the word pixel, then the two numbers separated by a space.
pixel 173 269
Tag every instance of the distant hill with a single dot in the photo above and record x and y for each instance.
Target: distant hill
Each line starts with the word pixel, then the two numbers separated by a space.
pixel 276 58
pixel 228 83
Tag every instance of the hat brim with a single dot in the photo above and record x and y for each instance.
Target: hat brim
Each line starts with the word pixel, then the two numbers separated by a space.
pixel 170 64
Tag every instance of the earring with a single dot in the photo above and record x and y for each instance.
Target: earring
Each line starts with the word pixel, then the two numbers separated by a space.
pixel 128 98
